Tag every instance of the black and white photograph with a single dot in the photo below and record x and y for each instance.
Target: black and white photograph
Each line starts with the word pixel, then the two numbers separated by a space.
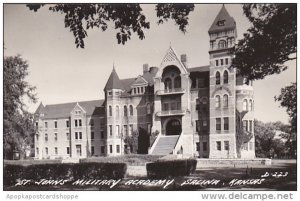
pixel 150 97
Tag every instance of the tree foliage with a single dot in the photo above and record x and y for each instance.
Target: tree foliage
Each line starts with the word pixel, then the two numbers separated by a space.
pixel 288 99
pixel 128 19
pixel 17 122
pixel 269 42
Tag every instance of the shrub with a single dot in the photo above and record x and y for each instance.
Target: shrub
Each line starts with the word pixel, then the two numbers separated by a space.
pixel 12 173
pixel 162 169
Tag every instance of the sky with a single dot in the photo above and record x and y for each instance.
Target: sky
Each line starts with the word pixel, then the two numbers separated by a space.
pixel 63 73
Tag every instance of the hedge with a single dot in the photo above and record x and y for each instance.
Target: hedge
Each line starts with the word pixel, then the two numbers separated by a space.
pixel 173 168
pixel 74 171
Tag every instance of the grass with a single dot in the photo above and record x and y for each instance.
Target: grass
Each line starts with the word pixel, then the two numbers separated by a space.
pixel 132 160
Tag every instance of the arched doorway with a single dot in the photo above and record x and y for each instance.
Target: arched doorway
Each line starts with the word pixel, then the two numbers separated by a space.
pixel 173 127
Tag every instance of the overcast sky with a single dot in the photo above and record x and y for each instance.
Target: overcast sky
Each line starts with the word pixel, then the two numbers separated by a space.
pixel 63 73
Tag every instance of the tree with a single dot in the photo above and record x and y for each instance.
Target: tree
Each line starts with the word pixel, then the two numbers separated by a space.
pixel 269 42
pixel 17 122
pixel 242 136
pixel 128 18
pixel 288 99
pixel 264 135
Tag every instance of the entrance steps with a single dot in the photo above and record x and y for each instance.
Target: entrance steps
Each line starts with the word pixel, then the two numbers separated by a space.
pixel 165 145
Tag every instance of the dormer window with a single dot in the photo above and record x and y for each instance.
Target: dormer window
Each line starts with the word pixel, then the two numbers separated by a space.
pixel 221 23
pixel 109 93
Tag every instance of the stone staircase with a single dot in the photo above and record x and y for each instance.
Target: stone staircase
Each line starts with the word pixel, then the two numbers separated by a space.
pixel 165 145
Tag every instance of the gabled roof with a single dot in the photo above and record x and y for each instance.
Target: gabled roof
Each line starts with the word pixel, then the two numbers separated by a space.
pixel 223 21
pixel 94 107
pixel 113 81
pixel 140 80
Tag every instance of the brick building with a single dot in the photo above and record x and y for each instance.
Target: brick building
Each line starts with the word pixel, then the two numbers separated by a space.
pixel 192 109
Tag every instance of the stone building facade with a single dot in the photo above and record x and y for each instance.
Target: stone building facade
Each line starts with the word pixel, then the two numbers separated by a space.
pixel 189 110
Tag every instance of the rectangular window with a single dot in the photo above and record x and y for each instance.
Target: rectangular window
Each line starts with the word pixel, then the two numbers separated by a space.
pixel 76 135
pixel 130 129
pixel 55 136
pixel 67 123
pixel 76 123
pixel 226 61
pixel 219 145
pixel 102 134
pixel 92 122
pixel 92 135
pixel 226 123
pixel 80 123
pixel 55 124
pixel 118 148
pixel 102 149
pixel 198 146
pixel 68 150
pixel 46 150
pixel 68 136
pixel 92 150
pixel 125 130
pixel 204 145
pixel 110 130
pixel 245 125
pixel 134 90
pixel 217 62
pixel 46 124
pixel 46 137
pixel 197 126
pixel 218 124
pixel 222 62
pixel 37 150
pixel 117 130
pixel 56 150
pixel 80 135
pixel 36 124
pixel 250 126
pixel 110 148
pixel 226 145
pixel 149 128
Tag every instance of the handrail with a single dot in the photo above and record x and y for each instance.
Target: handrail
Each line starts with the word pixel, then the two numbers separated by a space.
pixel 172 90
pixel 177 144
pixel 154 144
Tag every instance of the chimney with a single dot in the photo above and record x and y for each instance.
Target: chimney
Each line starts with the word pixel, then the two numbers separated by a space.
pixel 183 59
pixel 145 68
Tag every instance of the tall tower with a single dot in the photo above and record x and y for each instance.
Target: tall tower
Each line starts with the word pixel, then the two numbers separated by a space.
pixel 222 137
pixel 113 90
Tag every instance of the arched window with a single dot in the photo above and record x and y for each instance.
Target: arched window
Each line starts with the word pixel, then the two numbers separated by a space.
pixel 222 44
pixel 245 105
pixel 177 82
pixel 125 110
pixel 225 101
pixel 250 105
pixel 130 110
pixel 168 83
pixel 225 77
pixel 148 108
pixel 218 78
pixel 218 101
pixel 109 111
pixel 204 100
pixel 117 111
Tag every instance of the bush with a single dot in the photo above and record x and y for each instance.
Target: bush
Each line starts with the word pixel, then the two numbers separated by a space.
pixel 162 169
pixel 13 173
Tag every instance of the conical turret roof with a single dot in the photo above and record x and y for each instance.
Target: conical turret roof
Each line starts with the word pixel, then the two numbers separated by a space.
pixel 113 81
pixel 223 21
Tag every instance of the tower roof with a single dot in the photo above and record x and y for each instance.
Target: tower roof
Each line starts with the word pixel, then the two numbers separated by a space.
pixel 40 109
pixel 113 81
pixel 223 21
